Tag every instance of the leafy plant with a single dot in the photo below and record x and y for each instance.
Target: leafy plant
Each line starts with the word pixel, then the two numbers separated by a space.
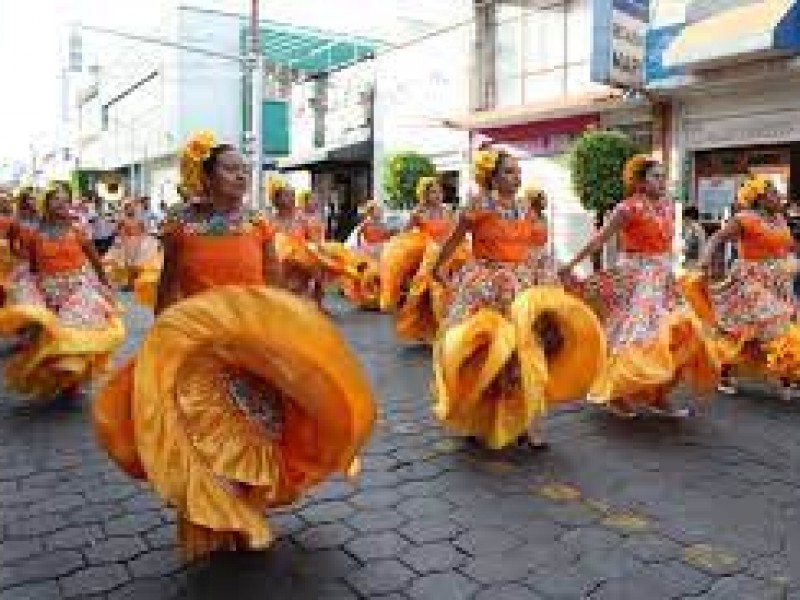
pixel 403 171
pixel 596 162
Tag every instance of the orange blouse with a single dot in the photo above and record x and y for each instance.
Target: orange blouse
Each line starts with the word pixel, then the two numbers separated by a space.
pixel 759 240
pixel 374 233
pixel 207 260
pixel 58 254
pixel 508 240
pixel 647 227
pixel 435 228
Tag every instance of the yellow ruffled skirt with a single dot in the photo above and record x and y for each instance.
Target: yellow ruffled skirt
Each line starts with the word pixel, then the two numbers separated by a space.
pixel 400 261
pixel 421 311
pixel 513 345
pixel 655 340
pixel 750 317
pixel 130 258
pixel 77 330
pixel 356 274
pixel 232 406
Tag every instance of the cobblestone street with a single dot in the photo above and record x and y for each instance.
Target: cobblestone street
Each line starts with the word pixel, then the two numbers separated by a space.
pixel 707 509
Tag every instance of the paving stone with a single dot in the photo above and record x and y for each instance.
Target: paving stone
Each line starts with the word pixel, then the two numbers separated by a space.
pixel 14 550
pixel 95 513
pixel 420 531
pixel 651 548
pixel 375 499
pixel 424 507
pixel 156 563
pixel 442 586
pixel 387 544
pixel 566 583
pixel 744 587
pixel 74 537
pixel 134 523
pixel 329 535
pixel 163 536
pixel 328 565
pixel 375 521
pixel 116 549
pixel 434 557
pixel 162 588
pixel 41 567
pixel 57 504
pixel 591 538
pixel 380 577
pixel 486 541
pixel 498 567
pixel 111 493
pixel 508 591
pixel 37 526
pixel 94 580
pixel 44 590
pixel 327 512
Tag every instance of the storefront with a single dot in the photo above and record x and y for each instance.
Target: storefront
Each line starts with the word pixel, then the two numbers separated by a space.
pixel 732 74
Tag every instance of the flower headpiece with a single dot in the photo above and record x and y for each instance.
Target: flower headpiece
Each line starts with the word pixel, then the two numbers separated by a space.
pixel 194 153
pixel 424 184
pixel 633 170
pixel 485 163
pixel 302 197
pixel 274 185
pixel 751 190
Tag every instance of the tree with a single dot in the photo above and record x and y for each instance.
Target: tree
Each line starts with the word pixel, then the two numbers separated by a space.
pixel 597 161
pixel 403 171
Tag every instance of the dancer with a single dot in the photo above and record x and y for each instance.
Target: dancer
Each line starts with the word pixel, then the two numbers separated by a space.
pixel 314 226
pixel 6 224
pixel 420 308
pixel 513 343
pixel 753 310
pixel 60 307
pixel 372 233
pixel 655 341
pixel 134 251
pixel 233 404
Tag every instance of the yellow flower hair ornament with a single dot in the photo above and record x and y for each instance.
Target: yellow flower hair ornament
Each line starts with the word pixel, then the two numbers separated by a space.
pixel 424 185
pixel 484 164
pixel 194 153
pixel 633 170
pixel 302 197
pixel 274 184
pixel 751 190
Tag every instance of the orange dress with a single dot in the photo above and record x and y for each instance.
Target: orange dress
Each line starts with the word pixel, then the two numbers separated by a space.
pixel 63 296
pixel 436 226
pixel 654 339
pixel 494 374
pixel 232 405
pixel 753 310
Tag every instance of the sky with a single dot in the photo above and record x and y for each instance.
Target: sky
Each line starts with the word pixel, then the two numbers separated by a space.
pixel 34 36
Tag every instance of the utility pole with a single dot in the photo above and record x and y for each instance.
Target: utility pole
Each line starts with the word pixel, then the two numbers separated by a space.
pixel 254 142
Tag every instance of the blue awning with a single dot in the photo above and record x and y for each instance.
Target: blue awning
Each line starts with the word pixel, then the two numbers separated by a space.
pixel 752 30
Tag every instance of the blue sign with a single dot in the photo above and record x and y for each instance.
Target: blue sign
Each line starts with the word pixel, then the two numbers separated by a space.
pixel 618 34
pixel 717 42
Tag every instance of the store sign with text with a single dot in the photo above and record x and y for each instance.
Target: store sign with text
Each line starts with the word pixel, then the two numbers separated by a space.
pixel 618 41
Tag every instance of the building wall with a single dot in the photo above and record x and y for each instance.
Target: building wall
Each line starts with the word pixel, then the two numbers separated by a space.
pixel 210 90
pixel 417 88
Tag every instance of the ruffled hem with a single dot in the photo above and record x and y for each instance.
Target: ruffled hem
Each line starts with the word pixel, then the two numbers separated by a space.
pixel 493 375
pixel 61 357
pixel 642 373
pixel 221 458
pixel 400 261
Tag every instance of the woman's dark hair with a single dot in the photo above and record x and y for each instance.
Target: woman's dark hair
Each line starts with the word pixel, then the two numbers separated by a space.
pixel 502 157
pixel 643 168
pixel 691 212
pixel 213 157
pixel 64 186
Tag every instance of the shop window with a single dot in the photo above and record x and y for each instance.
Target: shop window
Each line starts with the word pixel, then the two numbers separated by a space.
pixel 540 87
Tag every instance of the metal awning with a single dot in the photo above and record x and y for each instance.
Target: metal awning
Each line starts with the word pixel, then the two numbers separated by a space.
pixel 751 30
pixel 309 50
pixel 568 106
pixel 356 152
